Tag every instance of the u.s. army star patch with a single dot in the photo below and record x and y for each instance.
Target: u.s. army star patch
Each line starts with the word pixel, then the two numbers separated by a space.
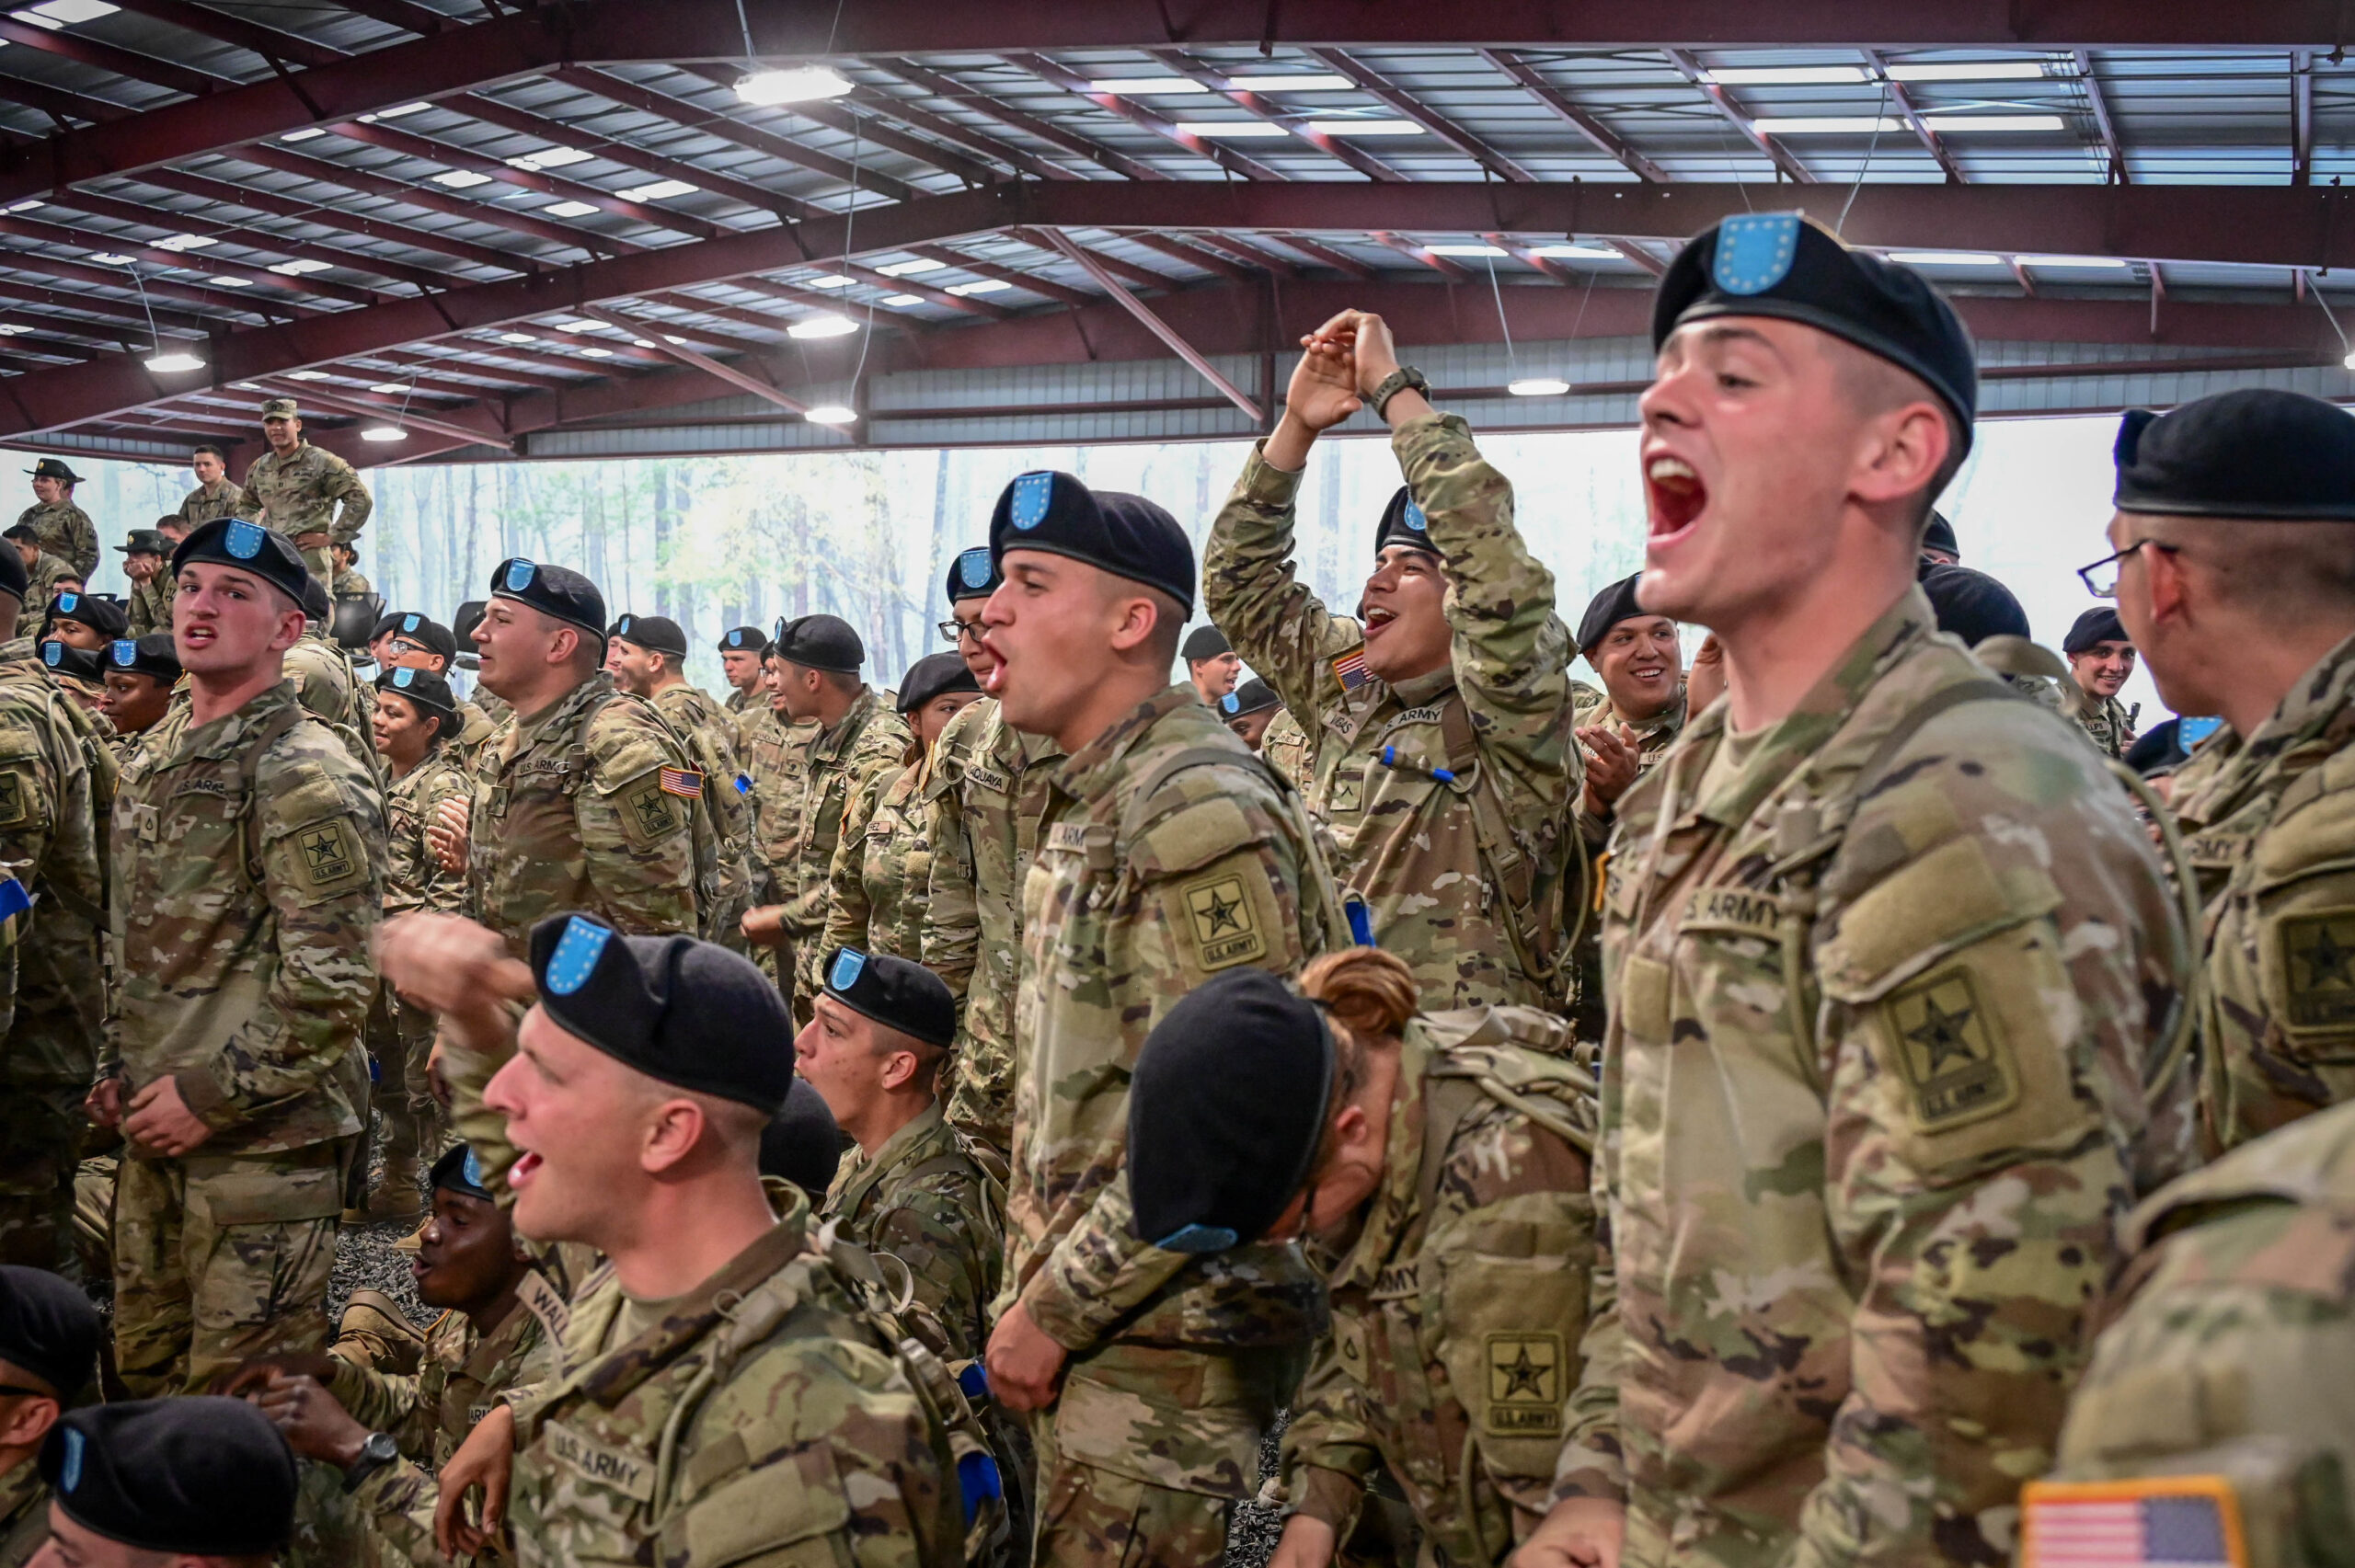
pixel 2318 968
pixel 1226 928
pixel 1524 1385
pixel 13 808
pixel 1952 1049
pixel 651 811
pixel 329 853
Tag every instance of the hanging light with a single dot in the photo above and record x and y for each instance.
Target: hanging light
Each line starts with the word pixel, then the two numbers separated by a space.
pixel 1538 387
pixel 826 326
pixel 766 89
pixel 832 413
pixel 174 364
pixel 383 433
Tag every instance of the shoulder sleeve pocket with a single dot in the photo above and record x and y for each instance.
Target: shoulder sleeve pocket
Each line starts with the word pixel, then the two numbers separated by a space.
pixel 762 1513
pixel 1195 836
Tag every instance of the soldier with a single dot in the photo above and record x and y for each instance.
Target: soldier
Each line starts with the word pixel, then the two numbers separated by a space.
pixel 409 640
pixel 247 881
pixel 144 555
pixel 49 1358
pixel 85 621
pixel 45 575
pixel 2101 658
pixel 1896 979
pixel 1168 854
pixel 1445 767
pixel 349 581
pixel 216 495
pixel 648 659
pixel 988 794
pixel 200 1482
pixel 1286 747
pixel 140 676
pixel 1938 546
pixel 776 754
pixel 62 528
pixel 858 739
pixel 1413 1143
pixel 1210 664
pixel 742 653
pixel 79 673
pixel 882 871
pixel 724 1394
pixel 2234 572
pixel 1249 709
pixel 304 492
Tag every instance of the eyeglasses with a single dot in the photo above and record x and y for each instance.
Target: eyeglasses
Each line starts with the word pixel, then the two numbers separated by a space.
pixel 955 631
pixel 2101 577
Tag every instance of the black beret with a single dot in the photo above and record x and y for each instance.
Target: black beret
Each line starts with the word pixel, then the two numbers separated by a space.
pixel 1607 609
pixel 54 468
pixel 688 1013
pixel 1203 642
pixel 13 578
pixel 2099 625
pixel 973 574
pixel 469 616
pixel 80 663
pixel 317 605
pixel 151 655
pixel 198 1474
pixel 424 688
pixel 101 614
pixel 1226 1108
pixel 249 547
pixel 819 642
pixel 49 1328
pixel 894 992
pixel 460 1171
pixel 745 639
pixel 933 675
pixel 655 634
pixel 1402 524
pixel 1787 266
pixel 803 1143
pixel 145 541
pixel 1973 605
pixel 1939 535
pixel 1123 534
pixel 552 590
pixel 1253 695
pixel 2251 454
pixel 423 630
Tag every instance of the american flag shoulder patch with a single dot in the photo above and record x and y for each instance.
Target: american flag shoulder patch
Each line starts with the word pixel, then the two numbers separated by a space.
pixel 1350 668
pixel 2163 1521
pixel 686 783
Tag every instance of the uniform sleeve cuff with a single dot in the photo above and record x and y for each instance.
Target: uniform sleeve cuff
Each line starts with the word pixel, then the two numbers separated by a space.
pixel 1327 1495
pixel 1056 1313
pixel 205 1099
pixel 1264 484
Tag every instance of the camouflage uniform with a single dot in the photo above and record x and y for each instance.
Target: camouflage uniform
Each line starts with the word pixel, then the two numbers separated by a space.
pixel 298 495
pixel 66 532
pixel 699 721
pixel 926 1200
pixel 1896 1034
pixel 224 497
pixel 348 584
pixel 1469 882
pixel 475 730
pixel 414 880
pixel 1285 746
pixel 988 793
pixel 150 605
pixel 2262 821
pixel 326 683
pixel 24 1513
pixel 41 587
pixel 248 880
pixel 764 1420
pixel 2103 718
pixel 885 855
pixel 741 701
pixel 842 762
pixel 1652 741
pixel 1457 1309
pixel 2230 1351
pixel 1166 853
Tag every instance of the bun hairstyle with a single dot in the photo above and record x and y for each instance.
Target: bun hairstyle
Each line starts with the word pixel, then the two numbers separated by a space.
pixel 1369 993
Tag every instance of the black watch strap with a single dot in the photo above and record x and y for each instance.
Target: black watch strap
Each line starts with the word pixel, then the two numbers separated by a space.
pixel 1393 383
pixel 375 1453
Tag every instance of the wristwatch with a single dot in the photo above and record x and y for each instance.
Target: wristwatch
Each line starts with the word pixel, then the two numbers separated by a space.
pixel 1393 383
pixel 376 1450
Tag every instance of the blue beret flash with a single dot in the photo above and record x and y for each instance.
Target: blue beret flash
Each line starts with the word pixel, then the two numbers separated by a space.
pixel 125 652
pixel 1754 251
pixel 576 955
pixel 1033 493
pixel 244 539
pixel 849 964
pixel 519 575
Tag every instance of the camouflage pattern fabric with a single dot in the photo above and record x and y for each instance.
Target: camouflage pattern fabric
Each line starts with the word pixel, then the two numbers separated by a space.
pixel 65 532
pixel 2104 719
pixel 766 1419
pixel 24 1514
pixel 150 605
pixel 886 851
pixel 2229 1347
pixel 842 763
pixel 1455 1329
pixel 2266 821
pixel 741 701
pixel 312 491
pixel 326 683
pixel 988 793
pixel 476 729
pixel 348 584
pixel 705 726
pixel 1895 1036
pixel 1409 843
pixel 376 1333
pixel 225 498
pixel 414 878
pixel 42 580
pixel 1652 741
pixel 1286 747
pixel 777 754
pixel 401 1034
pixel 924 1199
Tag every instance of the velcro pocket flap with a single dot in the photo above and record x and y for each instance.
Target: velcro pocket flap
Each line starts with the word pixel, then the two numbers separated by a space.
pixel 760 1510
pixel 1943 902
pixel 1194 837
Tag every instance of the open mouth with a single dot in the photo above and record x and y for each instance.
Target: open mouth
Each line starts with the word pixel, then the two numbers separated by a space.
pixel 521 1174
pixel 1676 494
pixel 1377 620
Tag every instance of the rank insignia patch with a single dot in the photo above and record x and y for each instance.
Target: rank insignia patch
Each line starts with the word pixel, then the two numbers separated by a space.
pixel 1957 1067
pixel 1226 929
pixel 1524 1385
pixel 2318 961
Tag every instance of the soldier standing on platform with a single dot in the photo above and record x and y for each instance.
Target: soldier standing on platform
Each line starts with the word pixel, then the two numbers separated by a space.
pixel 62 528
pixel 216 495
pixel 304 492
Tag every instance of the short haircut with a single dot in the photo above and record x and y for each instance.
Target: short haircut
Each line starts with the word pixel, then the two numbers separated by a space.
pixel 848 682
pixel 930 1058
pixel 202 447
pixel 2286 568
pixel 1875 387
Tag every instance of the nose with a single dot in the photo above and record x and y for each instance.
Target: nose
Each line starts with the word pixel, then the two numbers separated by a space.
pixel 997 610
pixel 1665 401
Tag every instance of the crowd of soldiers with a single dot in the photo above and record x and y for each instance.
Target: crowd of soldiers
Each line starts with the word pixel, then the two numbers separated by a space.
pixel 1847 1099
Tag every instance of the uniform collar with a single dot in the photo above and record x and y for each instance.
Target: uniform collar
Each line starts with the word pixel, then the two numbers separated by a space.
pixel 1094 766
pixel 910 1145
pixel 831 743
pixel 1426 689
pixel 224 736
pixel 613 1375
pixel 2318 707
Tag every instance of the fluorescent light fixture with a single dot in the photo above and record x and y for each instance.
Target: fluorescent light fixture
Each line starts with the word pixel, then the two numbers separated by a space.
pixel 26 206
pixel 174 364
pixel 827 326
pixel 383 433
pixel 593 352
pixel 184 242
pixel 550 158
pixel 828 280
pixel 569 209
pixel 242 386
pixel 11 329
pixel 1146 86
pixel 905 268
pixel 389 388
pixel 2097 263
pixel 641 342
pixel 903 299
pixel 1233 129
pixel 223 281
pixel 404 108
pixel 109 258
pixel 765 89
pixel 1537 386
pixel 1578 252
pixel 1365 127
pixel 1950 122
pixel 1825 124
pixel 1784 75
pixel 1946 258
pixel 831 414
pixel 71 11
pixel 659 190
pixel 517 338
pixel 1468 250
pixel 298 267
pixel 667 339
pixel 986 286
pixel 576 324
pixel 1976 71
pixel 1317 83
pixel 461 179
pixel 303 135
pixel 2349 361
pixel 310 375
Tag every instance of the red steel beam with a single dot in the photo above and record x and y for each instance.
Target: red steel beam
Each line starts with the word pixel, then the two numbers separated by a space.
pixel 1450 270
pixel 1339 260
pixel 1039 286
pixel 1332 146
pixel 1136 114
pixel 1912 114
pixel 1393 97
pixel 1689 66
pixel 389 410
pixel 368 182
pixel 153 215
pixel 1158 327
pixel 1585 121
pixel 1177 249
pixel 704 363
pixel 1142 277
pixel 876 101
pixel 2098 101
pixel 835 116
pixel 946 86
pixel 259 199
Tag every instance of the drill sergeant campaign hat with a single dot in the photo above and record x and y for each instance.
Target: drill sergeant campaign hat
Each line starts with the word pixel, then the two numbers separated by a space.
pixel 2255 453
pixel 145 542
pixel 1786 266
pixel 745 639
pixel 49 1330
pixel 424 688
pixel 102 615
pixel 2097 625
pixel 54 468
pixel 249 547
pixel 1123 534
pixel 1402 524
pixel 973 574
pixel 1253 695
pixel 558 592
pixel 655 634
pixel 933 675
pixel 1607 609
pixel 1201 643
pixel 895 993
pixel 690 1013
pixel 198 1473
pixel 151 655
pixel 819 642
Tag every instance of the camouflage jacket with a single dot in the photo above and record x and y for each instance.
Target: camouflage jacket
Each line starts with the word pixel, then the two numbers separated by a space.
pixel 476 729
pixel 248 880
pixel 988 793
pixel 1653 738
pixel 2269 825
pixel 923 1200
pixel 326 683
pixel 41 587
pixel 227 498
pixel 1896 1033
pixel 24 1513
pixel 1286 747
pixel 776 751
pixel 1458 1307
pixel 570 813
pixel 742 701
pixel 66 532
pixel 886 850
pixel 726 802
pixel 413 876
pixel 766 1420
pixel 2230 1349
pixel 1436 862
pixel 299 495
pixel 150 605
pixel 349 584
pixel 49 841
pixel 2103 718
pixel 1147 883
pixel 842 762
